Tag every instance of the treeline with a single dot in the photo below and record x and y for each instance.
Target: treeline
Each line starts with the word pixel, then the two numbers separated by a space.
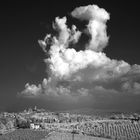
pixel 6 124
pixel 11 123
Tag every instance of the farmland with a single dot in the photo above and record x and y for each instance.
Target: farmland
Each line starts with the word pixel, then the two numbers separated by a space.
pixel 69 136
pixel 24 134
pixel 37 124
pixel 113 129
pixel 97 130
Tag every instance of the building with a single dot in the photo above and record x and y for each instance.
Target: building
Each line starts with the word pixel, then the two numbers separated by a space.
pixel 34 126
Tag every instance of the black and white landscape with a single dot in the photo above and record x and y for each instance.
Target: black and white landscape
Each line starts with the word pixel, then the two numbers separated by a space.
pixel 77 60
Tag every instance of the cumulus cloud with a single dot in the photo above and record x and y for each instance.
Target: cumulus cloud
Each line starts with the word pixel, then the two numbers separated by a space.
pixel 87 72
pixel 131 87
pixel 137 88
pixel 32 90
pixel 83 91
pixel 97 18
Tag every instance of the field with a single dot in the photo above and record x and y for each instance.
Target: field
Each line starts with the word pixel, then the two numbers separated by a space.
pixel 122 130
pixel 27 134
pixel 24 134
pixel 98 130
pixel 69 136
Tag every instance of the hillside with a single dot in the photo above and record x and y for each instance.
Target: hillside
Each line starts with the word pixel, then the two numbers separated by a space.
pixel 38 123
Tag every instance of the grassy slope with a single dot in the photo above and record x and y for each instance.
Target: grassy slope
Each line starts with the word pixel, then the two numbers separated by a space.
pixel 24 134
pixel 69 136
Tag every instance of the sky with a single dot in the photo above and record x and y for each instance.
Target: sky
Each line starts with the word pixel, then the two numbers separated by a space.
pixel 93 64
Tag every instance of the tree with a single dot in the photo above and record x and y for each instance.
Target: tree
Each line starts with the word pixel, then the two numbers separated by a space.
pixel 22 123
pixel 10 125
pixel 2 128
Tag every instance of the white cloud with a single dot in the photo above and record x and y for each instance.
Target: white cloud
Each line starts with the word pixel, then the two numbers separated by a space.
pixel 131 87
pixel 32 90
pixel 83 92
pixel 88 71
pixel 64 32
pixel 126 86
pixel 136 88
pixel 97 18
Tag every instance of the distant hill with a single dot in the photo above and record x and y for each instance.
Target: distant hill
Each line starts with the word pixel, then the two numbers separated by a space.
pixel 98 112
